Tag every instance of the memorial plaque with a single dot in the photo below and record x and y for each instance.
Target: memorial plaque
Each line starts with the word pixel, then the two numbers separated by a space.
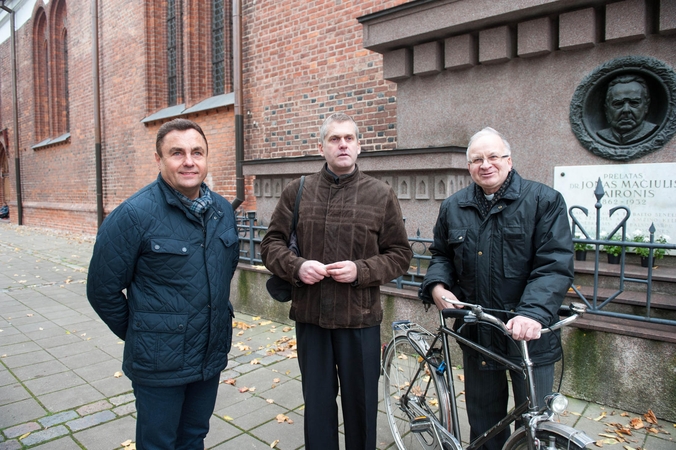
pixel 647 190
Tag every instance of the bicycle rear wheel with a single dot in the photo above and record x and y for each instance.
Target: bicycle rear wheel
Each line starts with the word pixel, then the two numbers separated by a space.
pixel 413 389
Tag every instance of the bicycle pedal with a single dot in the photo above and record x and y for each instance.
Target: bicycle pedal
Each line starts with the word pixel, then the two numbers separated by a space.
pixel 421 424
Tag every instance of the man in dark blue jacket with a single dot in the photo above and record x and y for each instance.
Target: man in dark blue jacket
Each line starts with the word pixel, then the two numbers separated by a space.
pixel 503 243
pixel 160 279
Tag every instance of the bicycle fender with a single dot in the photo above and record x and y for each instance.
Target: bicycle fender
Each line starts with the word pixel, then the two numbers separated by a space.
pixel 579 437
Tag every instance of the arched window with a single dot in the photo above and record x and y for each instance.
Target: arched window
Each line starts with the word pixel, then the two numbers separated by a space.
pixel 59 33
pixel 41 75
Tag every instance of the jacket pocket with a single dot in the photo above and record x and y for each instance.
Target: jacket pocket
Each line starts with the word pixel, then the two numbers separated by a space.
pixel 159 341
pixel 229 237
pixel 456 239
pixel 514 262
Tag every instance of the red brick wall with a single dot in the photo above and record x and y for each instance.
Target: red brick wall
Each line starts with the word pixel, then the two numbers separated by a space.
pixel 301 60
pixel 305 59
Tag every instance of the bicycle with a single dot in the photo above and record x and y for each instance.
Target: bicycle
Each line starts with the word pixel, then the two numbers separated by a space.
pixel 420 397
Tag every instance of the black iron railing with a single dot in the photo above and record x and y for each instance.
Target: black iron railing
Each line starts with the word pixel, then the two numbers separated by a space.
pixel 250 235
pixel 617 242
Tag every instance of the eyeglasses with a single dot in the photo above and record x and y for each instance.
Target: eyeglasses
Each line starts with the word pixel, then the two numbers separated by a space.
pixel 491 159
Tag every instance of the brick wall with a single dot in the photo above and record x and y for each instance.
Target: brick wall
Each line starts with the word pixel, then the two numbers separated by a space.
pixel 302 61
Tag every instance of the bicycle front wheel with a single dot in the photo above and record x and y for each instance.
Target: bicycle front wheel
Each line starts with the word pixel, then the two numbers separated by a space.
pixel 519 441
pixel 413 390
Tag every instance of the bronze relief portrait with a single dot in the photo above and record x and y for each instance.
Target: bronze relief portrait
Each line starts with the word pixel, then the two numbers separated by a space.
pixel 625 108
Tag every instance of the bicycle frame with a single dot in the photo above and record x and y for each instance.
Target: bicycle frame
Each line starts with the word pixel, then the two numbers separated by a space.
pixel 526 369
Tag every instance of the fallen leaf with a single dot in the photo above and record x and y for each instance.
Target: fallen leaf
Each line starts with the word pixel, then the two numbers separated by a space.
pixel 242 390
pixel 256 318
pixel 603 415
pixel 126 443
pixel 29 315
pixel 626 447
pixel 228 418
pixel 254 362
pixel 240 333
pixel 636 423
pixel 274 443
pixel 650 417
pixel 625 414
pixel 270 401
pixel 461 377
pixel 24 436
pixel 287 329
pixel 117 374
pixel 609 436
pixel 230 381
pixel 281 418
pixel 265 322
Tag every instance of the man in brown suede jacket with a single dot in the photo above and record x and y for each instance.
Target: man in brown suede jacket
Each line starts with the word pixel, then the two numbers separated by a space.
pixel 352 239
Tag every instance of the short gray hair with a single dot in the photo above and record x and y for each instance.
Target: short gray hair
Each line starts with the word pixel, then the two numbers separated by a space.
pixel 484 132
pixel 336 117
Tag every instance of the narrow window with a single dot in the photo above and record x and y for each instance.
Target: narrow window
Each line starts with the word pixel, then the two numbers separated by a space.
pixel 66 91
pixel 172 79
pixel 218 47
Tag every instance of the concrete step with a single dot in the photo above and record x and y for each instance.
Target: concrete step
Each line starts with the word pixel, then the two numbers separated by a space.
pixel 662 306
pixel 663 277
pixel 627 327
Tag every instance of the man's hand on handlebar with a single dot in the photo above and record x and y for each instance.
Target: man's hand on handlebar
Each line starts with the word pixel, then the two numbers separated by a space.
pixel 443 297
pixel 524 328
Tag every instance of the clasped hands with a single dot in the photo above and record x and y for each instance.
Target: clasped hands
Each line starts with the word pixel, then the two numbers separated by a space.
pixel 523 328
pixel 312 271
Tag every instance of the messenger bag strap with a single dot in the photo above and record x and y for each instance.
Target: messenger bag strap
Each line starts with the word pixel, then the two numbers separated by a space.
pixel 295 209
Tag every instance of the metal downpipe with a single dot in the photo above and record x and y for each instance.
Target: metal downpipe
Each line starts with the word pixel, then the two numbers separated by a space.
pixel 97 112
pixel 237 85
pixel 15 104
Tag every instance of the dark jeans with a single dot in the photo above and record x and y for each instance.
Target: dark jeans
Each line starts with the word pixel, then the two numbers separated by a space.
pixel 349 358
pixel 174 417
pixel 487 393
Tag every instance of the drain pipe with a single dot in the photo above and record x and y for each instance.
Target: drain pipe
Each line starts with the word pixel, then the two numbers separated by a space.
pixel 237 85
pixel 15 101
pixel 97 112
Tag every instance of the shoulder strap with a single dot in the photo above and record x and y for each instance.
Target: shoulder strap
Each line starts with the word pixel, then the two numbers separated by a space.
pixel 295 209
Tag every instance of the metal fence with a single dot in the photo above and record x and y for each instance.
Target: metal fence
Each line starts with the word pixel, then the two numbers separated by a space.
pixel 617 240
pixel 250 236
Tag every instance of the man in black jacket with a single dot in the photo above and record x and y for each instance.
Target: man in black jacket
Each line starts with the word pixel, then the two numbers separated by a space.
pixel 503 243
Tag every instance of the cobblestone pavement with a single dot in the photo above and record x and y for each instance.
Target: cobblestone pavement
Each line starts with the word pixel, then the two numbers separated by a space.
pixel 61 386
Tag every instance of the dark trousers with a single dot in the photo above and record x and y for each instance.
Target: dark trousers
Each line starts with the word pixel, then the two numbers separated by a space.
pixel 349 358
pixel 174 417
pixel 487 394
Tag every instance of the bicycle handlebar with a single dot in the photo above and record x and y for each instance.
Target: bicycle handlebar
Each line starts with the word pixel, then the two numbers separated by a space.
pixel 476 313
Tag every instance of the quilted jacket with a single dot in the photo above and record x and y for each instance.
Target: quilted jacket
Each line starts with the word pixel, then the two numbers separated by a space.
pixel 352 218
pixel 519 258
pixel 160 280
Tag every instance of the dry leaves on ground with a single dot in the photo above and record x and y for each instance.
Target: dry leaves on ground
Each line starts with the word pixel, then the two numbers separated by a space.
pixel 281 418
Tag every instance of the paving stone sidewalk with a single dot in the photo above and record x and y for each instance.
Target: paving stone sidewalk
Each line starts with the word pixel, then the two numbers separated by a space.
pixel 61 385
